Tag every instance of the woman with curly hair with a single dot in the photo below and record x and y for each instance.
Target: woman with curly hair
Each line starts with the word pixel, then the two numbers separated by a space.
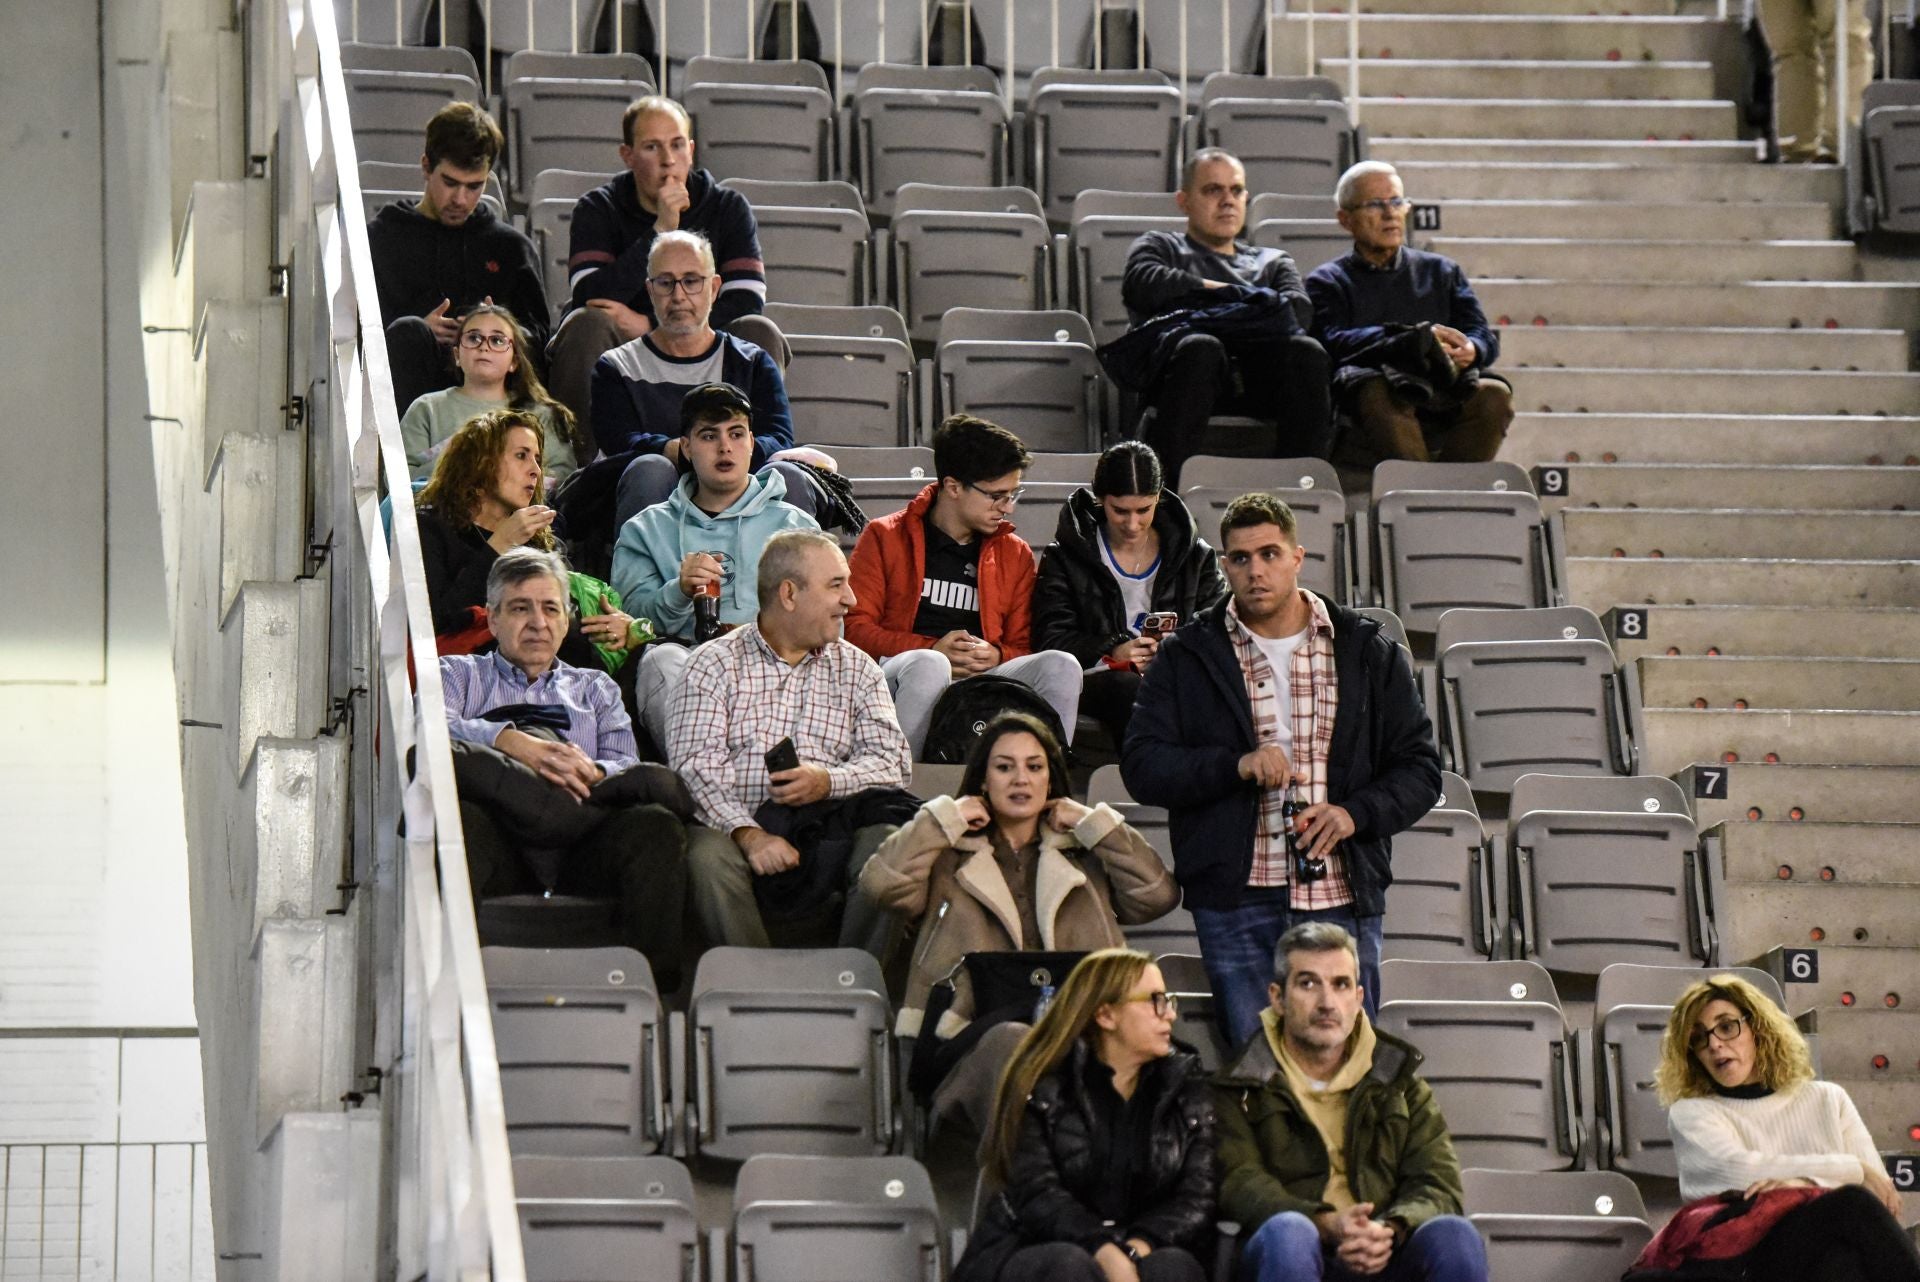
pixel 495 374
pixel 1748 1117
pixel 482 501
pixel 1101 1140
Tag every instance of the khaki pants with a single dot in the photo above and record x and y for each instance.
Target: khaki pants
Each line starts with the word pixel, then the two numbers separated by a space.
pixel 1385 427
pixel 1800 34
pixel 720 886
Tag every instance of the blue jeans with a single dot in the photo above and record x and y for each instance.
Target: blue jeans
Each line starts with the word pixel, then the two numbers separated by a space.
pixel 1287 1248
pixel 1236 946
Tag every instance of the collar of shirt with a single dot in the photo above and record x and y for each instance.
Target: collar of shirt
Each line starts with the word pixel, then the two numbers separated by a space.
pixel 507 670
pixel 764 649
pixel 1318 620
pixel 1383 269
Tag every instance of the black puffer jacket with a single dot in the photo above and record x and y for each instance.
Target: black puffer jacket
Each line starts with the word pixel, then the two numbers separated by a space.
pixel 1076 601
pixel 1059 1170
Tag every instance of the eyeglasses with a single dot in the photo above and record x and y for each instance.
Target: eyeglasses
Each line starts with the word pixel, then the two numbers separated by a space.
pixel 1163 1004
pixel 1001 498
pixel 1394 203
pixel 667 284
pixel 476 340
pixel 1724 1031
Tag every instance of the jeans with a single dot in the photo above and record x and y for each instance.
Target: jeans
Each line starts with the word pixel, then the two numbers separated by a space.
pixel 1236 946
pixel 1287 1248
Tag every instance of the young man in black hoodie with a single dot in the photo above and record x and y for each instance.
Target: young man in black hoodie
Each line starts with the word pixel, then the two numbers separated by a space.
pixel 612 235
pixel 434 259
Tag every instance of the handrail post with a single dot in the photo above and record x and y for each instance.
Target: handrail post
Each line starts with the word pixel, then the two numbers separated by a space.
pixel 1842 55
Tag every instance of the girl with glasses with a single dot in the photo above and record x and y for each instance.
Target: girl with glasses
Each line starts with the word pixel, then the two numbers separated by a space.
pixel 1747 1117
pixel 495 374
pixel 1101 1142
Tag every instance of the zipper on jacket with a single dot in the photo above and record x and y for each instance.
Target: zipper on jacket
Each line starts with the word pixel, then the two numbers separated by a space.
pixel 933 932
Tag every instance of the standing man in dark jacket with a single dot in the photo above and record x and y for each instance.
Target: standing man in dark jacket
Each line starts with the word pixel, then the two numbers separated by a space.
pixel 1333 1155
pixel 1277 689
pixel 435 259
pixel 1281 377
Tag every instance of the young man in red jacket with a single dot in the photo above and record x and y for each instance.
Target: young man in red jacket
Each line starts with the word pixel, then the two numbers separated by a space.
pixel 944 587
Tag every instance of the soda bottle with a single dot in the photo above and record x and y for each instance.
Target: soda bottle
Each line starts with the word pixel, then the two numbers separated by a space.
pixel 706 613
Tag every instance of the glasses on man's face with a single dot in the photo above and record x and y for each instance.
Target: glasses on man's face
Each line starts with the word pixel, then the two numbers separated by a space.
pixel 1164 1004
pixel 667 284
pixel 1722 1031
pixel 1001 498
pixel 476 340
pixel 1394 203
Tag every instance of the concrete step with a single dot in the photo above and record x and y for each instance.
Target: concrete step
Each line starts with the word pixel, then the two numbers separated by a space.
pixel 1649 184
pixel 1733 533
pixel 1645 391
pixel 1680 347
pixel 1850 980
pixel 1511 116
pixel 1671 739
pixel 1809 853
pixel 1755 792
pixel 1712 438
pixel 275 645
pixel 1534 151
pixel 1754 917
pixel 1619 260
pixel 1651 218
pixel 1729 485
pixel 1571 37
pixel 305 1012
pixel 1602 582
pixel 1753 682
pixel 1887 1105
pixel 1520 78
pixel 1751 630
pixel 1870 1041
pixel 296 792
pixel 1769 305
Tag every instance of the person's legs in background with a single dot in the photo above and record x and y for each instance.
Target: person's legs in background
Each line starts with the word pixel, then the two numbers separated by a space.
pixel 1236 947
pixel 1472 433
pixel 639 855
pixel 1382 427
pixel 583 337
pixel 416 361
pixel 916 679
pixel 1107 696
pixel 720 891
pixel 1287 381
pixel 1055 676
pixel 1196 375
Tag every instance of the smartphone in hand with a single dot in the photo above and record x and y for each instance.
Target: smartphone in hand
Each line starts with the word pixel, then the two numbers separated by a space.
pixel 1159 623
pixel 783 756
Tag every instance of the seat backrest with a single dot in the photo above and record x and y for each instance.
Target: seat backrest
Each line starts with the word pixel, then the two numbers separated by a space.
pixel 1467 981
pixel 400 22
pixel 1270 205
pixel 796 72
pixel 1549 623
pixel 851 391
pixel 389 109
pixel 778 131
pixel 1114 135
pixel 918 196
pixel 1551 1193
pixel 1310 242
pixel 802 195
pixel 447 60
pixel 582 1044
pixel 934 779
pixel 564 184
pixel 504 26
pixel 621 1219
pixel 915 461
pixel 1047 393
pixel 1628 794
pixel 1889 93
pixel 986 325
pixel 814 256
pixel 1088 76
pixel 1403 474
pixel 1440 550
pixel 1099 202
pixel 1648 907
pixel 897 75
pixel 1632 984
pixel 1197 1023
pixel 904 136
pixel 1511 708
pixel 1100 244
pixel 870 321
pixel 1105 785
pixel 1062 467
pixel 1252 474
pixel 1221 35
pixel 1570 1248
pixel 563 124
pixel 800 1218
pixel 1226 84
pixel 946 259
pixel 1441 905
pixel 530 64
pixel 1388 620
pixel 1294 145
pixel 549 224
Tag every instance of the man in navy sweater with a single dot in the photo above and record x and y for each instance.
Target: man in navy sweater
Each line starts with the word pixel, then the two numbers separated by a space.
pixel 1409 343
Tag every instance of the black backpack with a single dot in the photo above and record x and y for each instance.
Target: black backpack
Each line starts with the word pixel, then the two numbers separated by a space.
pixel 961 715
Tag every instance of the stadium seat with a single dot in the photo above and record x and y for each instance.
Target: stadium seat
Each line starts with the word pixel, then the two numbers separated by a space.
pixel 832 194
pixel 1099 245
pixel 385 22
pixel 565 184
pixel 1198 1023
pixel 1319 509
pixel 1062 467
pixel 1456 535
pixel 1217 472
pixel 1310 242
pixel 1101 130
pixel 1890 131
pixel 1571 1226
pixel 564 124
pixel 966 247
pixel 851 379
pixel 550 227
pixel 1293 135
pixel 932 779
pixel 1470 980
pixel 804 1219
pixel 553 27
pixel 1527 691
pixel 910 127
pixel 815 256
pixel 1221 35
pixel 553 64
pixel 1441 905
pixel 583 1056
pixel 1037 518
pixel 1390 621
pixel 790 1053
pixel 761 119
pixel 1650 904
pixel 1269 205
pixel 613 1219
pixel 445 60
pixel 1033 373
pixel 390 109
pixel 791 72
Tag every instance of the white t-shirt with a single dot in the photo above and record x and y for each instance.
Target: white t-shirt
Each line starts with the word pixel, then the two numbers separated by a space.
pixel 1279 656
pixel 1136 590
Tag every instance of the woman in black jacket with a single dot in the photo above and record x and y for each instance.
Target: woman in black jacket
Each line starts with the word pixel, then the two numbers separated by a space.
pixel 1126 548
pixel 1102 1140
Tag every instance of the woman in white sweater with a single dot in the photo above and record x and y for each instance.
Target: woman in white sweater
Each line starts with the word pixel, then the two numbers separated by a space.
pixel 1746 1115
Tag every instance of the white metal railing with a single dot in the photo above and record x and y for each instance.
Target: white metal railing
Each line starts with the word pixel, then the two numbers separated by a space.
pixel 450 1210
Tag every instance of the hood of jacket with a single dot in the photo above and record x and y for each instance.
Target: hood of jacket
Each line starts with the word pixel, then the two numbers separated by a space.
pixel 671 530
pixel 1081 519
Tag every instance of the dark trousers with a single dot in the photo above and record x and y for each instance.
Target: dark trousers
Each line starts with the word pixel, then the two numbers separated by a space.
pixel 1282 379
pixel 1066 1262
pixel 1845 1236
pixel 1107 696
pixel 418 362
pixel 638 856
pixel 1385 427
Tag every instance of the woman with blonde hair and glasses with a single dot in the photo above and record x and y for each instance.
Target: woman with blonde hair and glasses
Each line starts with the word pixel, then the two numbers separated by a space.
pixel 495 374
pixel 1101 1140
pixel 1748 1117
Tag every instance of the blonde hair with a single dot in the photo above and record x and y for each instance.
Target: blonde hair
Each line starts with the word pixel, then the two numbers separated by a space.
pixel 1780 1053
pixel 468 469
pixel 1101 979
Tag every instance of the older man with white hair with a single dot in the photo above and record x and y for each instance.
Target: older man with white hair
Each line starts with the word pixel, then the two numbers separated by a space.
pixel 1409 344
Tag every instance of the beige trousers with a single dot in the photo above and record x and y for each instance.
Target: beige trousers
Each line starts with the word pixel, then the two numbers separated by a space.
pixel 1800 34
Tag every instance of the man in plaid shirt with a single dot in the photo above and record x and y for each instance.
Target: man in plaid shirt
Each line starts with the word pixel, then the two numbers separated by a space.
pixel 1278 689
pixel 787 674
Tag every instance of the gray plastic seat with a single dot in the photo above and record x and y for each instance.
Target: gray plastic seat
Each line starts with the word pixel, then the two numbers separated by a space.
pixel 553 63
pixel 1473 980
pixel 1320 514
pixel 871 320
pixel 1099 202
pixel 614 1219
pixel 1502 1073
pixel 1218 472
pixel 775 131
pixel 1062 467
pixel 1297 146
pixel 1441 905
pixel 1221 35
pixel 565 124
pixel 832 194
pixel 1197 1023
pixel 1890 138
pixel 1173 932
pixel 1037 376
pixel 880 496
pixel 1404 474
pixel 1527 692
pixel 1448 538
pixel 1286 205
pixel 1102 133
pixel 850 391
pixel 1551 1193
pixel 932 779
pixel 1651 902
pixel 1311 242
pixel 805 1219
pixel 814 256
pixel 446 60
pixel 790 1053
pixel 1099 245
pixel 945 258
pixel 390 109
pixel 390 23
pixel 899 461
pixel 792 72
pixel 901 136
pixel 553 26
pixel 550 227
pixel 583 1056
pixel 565 184
pixel 1388 620
pixel 1278 88
pixel 1571 1226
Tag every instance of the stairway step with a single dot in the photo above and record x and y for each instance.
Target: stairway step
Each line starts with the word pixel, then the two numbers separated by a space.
pixel 1521 78
pixel 1716 391
pixel 1648 8
pixel 1649 218
pixel 1673 738
pixel 1602 582
pixel 1769 682
pixel 1768 304
pixel 1729 485
pixel 1536 151
pixel 1855 853
pixel 1735 630
pixel 1869 1040
pixel 1711 438
pixel 1528 36
pixel 1624 260
pixel 1863 794
pixel 275 645
pixel 1864 973
pixel 1684 347
pixel 1669 533
pixel 306 975
pixel 1887 1107
pixel 1755 917
pixel 1649 184
pixel 1549 118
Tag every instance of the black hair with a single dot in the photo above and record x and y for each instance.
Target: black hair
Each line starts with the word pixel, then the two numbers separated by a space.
pixel 1128 469
pixel 973 780
pixel 713 403
pixel 971 450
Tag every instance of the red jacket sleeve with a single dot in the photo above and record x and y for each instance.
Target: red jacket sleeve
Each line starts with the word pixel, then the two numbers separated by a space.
pixel 1017 563
pixel 869 572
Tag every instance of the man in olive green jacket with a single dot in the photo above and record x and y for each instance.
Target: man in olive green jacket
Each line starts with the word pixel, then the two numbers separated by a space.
pixel 1333 1154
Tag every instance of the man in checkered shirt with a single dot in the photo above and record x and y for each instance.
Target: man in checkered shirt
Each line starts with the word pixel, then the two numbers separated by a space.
pixel 788 673
pixel 1279 688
